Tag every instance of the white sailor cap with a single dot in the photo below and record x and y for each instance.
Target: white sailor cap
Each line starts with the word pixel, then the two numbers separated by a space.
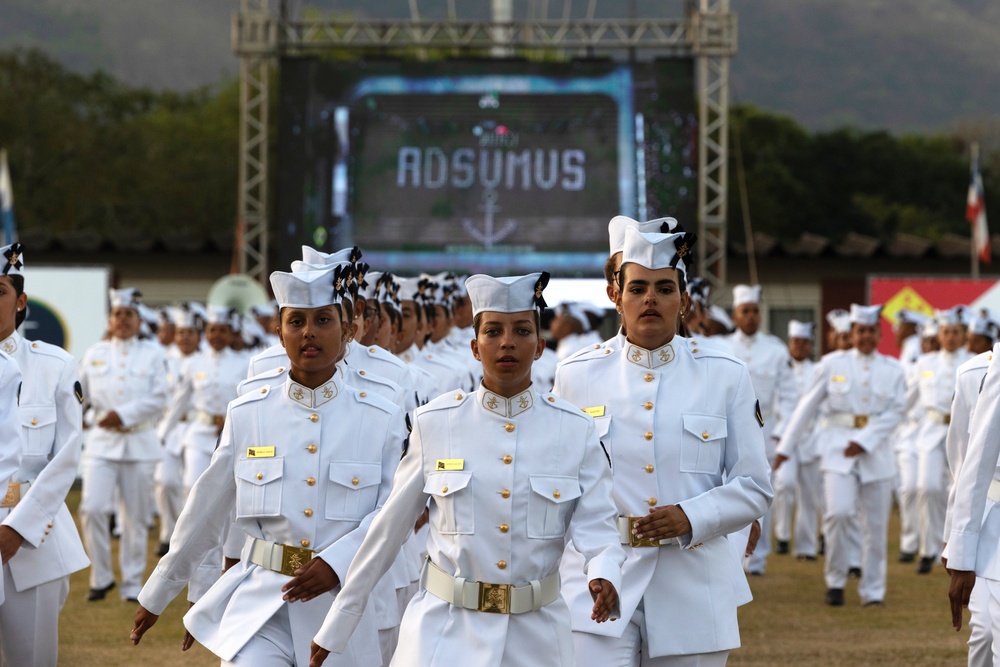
pixel 951 316
pixel 164 316
pixel 128 297
pixel 983 326
pixel 220 315
pixel 907 316
pixel 264 310
pixel 576 310
pixel 149 316
pixel 184 318
pixel 699 290
pixel 311 289
pixel 865 315
pixel 746 294
pixel 252 332
pixel 313 256
pixel 718 314
pixel 798 329
pixel 13 262
pixel 658 251
pixel 373 281
pixel 619 223
pixel 929 329
pixel 839 320
pixel 410 289
pixel 512 294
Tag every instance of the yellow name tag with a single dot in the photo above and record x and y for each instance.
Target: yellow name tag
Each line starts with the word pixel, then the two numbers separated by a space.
pixel 450 464
pixel 97 362
pixel 927 374
pixel 839 378
pixel 260 452
pixel 200 376
pixel 596 411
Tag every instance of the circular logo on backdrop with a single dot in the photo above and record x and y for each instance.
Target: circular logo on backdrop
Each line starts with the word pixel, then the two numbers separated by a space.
pixel 45 324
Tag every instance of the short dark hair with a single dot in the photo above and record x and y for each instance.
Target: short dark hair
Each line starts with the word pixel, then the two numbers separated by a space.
pixel 479 318
pixel 17 282
pixel 609 270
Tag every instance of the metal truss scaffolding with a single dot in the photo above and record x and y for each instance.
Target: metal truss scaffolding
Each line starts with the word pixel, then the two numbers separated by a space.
pixel 707 32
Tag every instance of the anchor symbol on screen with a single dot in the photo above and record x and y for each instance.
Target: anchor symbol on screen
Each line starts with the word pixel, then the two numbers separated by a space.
pixel 488 235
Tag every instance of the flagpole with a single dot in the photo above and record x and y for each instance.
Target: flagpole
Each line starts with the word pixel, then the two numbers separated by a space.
pixel 974 151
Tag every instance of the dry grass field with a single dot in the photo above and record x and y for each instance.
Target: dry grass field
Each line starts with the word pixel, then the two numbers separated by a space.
pixel 787 624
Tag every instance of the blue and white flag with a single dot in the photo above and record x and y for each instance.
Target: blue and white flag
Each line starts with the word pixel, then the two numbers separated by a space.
pixel 6 202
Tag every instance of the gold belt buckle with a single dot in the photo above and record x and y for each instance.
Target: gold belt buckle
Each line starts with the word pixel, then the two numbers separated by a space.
pixel 494 598
pixel 13 496
pixel 860 421
pixel 947 419
pixel 636 541
pixel 292 558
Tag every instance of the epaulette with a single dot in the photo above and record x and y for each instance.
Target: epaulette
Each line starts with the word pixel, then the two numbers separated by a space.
pixel 701 351
pixel 377 352
pixel 374 400
pixel 446 401
pixel 588 354
pixel 551 400
pixel 585 350
pixel 267 377
pixel 39 347
pixel 251 396
pixel 374 378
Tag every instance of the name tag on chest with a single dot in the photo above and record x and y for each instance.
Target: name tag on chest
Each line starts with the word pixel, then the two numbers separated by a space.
pixel 596 411
pixel 450 464
pixel 260 452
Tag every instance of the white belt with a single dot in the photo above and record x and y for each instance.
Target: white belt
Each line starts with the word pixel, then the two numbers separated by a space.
pixel 491 598
pixel 206 418
pixel 279 557
pixel 15 491
pixel 847 420
pixel 135 428
pixel 994 492
pixel 939 417
pixel 625 525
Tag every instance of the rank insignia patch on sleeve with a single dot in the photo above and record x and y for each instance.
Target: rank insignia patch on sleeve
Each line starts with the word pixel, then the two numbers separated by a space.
pixel 756 413
pixel 78 390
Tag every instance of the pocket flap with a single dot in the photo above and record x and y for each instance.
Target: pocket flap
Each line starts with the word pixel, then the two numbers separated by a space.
pixel 37 417
pixel 554 488
pixel 259 471
pixel 443 484
pixel 355 474
pixel 603 425
pixel 705 427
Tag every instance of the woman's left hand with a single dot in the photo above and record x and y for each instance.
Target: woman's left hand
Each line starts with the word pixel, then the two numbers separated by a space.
pixel 662 523
pixel 311 580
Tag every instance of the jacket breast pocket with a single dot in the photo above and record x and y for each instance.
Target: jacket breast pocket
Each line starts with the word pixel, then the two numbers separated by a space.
pixel 353 489
pixel 258 487
pixel 549 505
pixel 38 424
pixel 452 493
pixel 603 427
pixel 702 443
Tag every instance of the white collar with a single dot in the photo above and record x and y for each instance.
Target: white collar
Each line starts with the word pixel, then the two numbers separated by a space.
pixel 312 398
pixel 11 343
pixel 505 407
pixel 640 356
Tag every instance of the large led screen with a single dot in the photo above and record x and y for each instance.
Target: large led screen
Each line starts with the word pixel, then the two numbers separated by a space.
pixel 481 165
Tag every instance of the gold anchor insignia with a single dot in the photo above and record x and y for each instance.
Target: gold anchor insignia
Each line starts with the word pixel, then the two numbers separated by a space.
pixel 523 402
pixel 295 561
pixel 298 394
pixel 636 354
pixel 327 392
pixel 13 258
pixel 492 403
pixel 495 598
pixel 665 355
pixel 337 284
pixel 8 346
pixel 538 291
pixel 683 250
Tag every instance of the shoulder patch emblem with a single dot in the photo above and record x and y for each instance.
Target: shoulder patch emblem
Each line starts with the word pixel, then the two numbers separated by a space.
pixel 756 413
pixel 406 440
pixel 78 390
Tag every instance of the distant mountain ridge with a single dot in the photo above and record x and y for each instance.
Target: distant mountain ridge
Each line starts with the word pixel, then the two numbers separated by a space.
pixel 897 64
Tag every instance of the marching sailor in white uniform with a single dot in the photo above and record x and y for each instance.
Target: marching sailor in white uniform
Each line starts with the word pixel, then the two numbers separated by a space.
pixel 38 538
pixel 863 393
pixel 681 426
pixel 501 505
pixel 125 391
pixel 306 464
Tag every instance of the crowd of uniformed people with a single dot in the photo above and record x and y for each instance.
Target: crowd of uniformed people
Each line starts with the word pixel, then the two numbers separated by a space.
pixel 378 469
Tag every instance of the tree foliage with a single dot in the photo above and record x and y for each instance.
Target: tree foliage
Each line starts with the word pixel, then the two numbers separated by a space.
pixel 87 152
pixel 832 183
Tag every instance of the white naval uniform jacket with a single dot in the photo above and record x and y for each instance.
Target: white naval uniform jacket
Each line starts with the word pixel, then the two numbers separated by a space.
pixel 128 377
pixel 508 481
pixel 932 391
pixel 51 420
pixel 849 385
pixel 207 383
pixel 801 373
pixel 969 379
pixel 334 454
pixel 681 427
pixel 767 360
pixel 974 541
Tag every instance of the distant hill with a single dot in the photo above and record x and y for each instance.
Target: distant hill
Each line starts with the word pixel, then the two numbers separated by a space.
pixel 913 65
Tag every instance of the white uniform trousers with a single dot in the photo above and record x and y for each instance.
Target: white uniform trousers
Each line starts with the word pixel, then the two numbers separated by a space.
pixel 29 622
pixel 993 588
pixel 932 499
pixel 168 482
pixel 632 649
pixel 980 629
pixel 783 506
pixel 846 498
pixel 906 495
pixel 133 480
pixel 809 502
pixel 272 646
